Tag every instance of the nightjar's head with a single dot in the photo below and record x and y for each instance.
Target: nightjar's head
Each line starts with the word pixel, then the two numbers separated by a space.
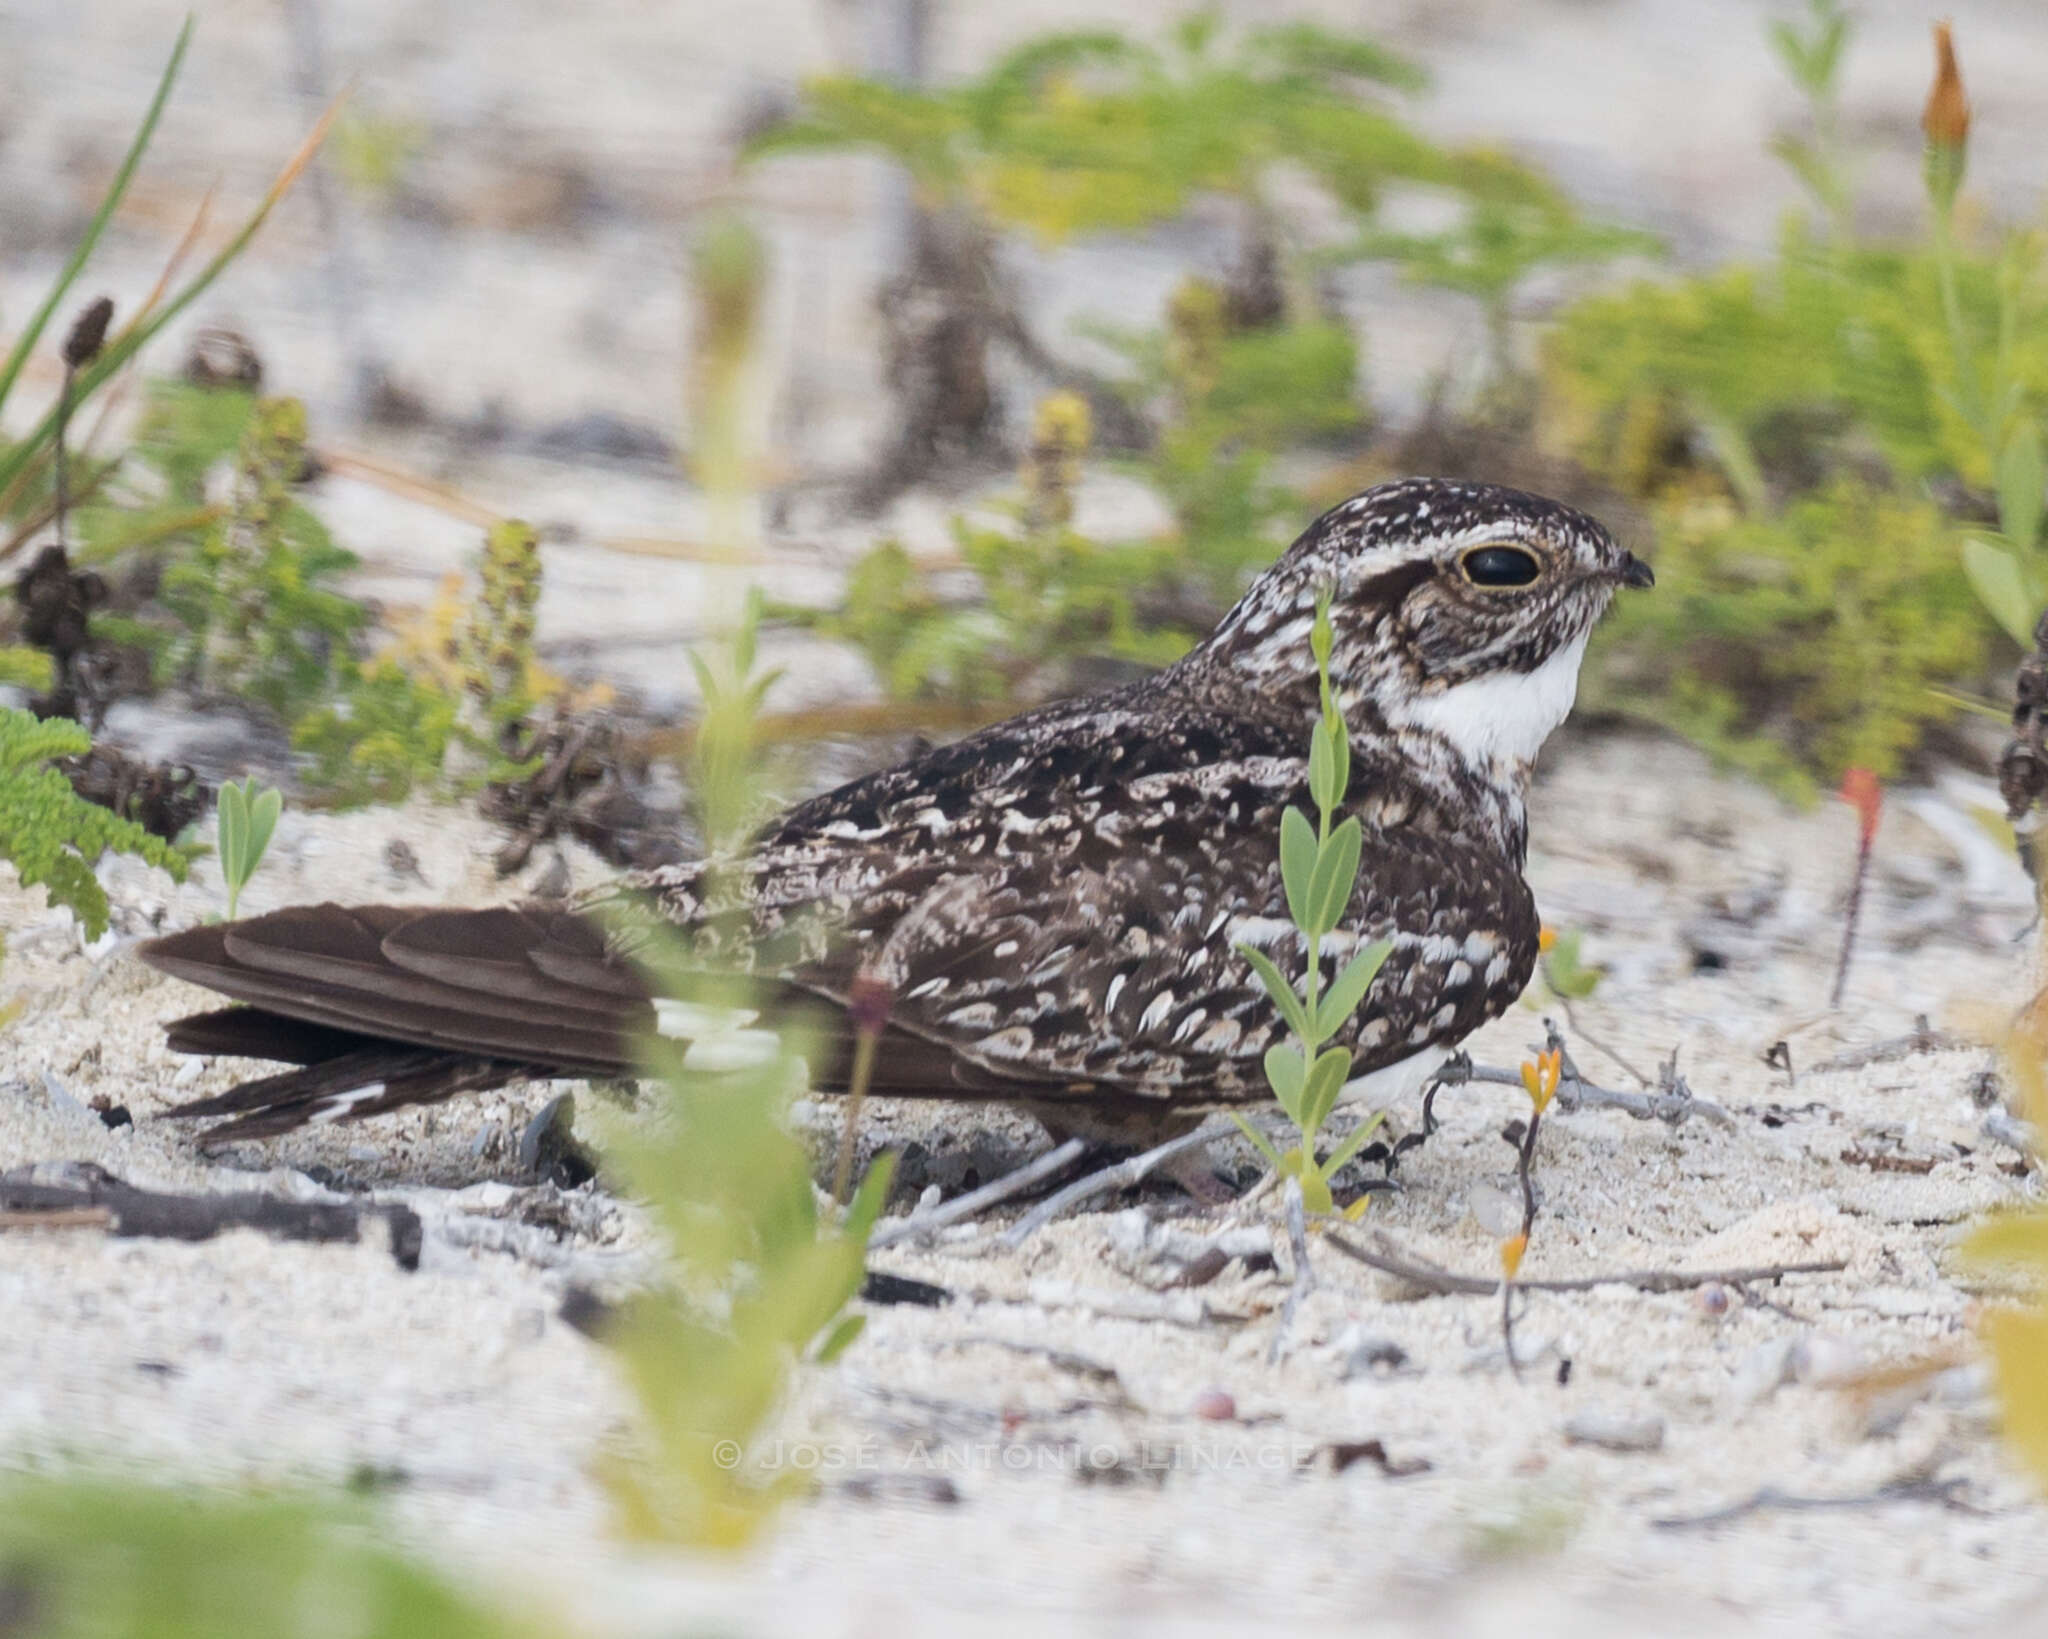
pixel 1461 609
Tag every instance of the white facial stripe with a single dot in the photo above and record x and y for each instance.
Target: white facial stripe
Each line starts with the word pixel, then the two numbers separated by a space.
pixel 1504 717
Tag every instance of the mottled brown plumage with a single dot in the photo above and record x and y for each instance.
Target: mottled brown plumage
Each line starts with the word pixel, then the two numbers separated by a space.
pixel 1053 904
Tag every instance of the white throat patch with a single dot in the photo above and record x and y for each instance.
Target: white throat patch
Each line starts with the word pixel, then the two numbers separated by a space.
pixel 1505 717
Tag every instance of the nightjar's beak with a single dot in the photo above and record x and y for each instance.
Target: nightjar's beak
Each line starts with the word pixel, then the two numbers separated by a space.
pixel 1635 572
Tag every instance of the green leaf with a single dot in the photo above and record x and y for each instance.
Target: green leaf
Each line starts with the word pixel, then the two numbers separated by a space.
pixel 263 814
pixel 1258 1140
pixel 1319 634
pixel 1298 858
pixel 2019 487
pixel 840 1338
pixel 1340 752
pixel 1287 1074
pixel 1322 768
pixel 1336 873
pixel 234 827
pixel 1325 1081
pixel 2001 586
pixel 868 1199
pixel 1277 987
pixel 1315 1191
pixel 25 343
pixel 1348 989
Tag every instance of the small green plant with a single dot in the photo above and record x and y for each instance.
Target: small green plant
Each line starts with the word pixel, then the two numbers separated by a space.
pixel 760 1280
pixel 256 609
pixel 386 736
pixel 247 819
pixel 495 650
pixel 1565 970
pixel 26 464
pixel 1319 869
pixel 1994 390
pixel 82 1559
pixel 51 835
pixel 1812 59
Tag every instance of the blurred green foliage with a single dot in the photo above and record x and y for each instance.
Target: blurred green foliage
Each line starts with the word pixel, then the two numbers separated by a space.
pixel 383 735
pixel 1090 132
pixel 1087 132
pixel 51 835
pixel 1228 390
pixel 758 1277
pixel 1042 592
pixel 1820 441
pixel 1800 642
pixel 86 1560
pixel 26 462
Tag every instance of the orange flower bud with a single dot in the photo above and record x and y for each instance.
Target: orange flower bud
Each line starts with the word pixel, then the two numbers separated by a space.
pixel 1946 118
pixel 1546 939
pixel 1862 792
pixel 1511 1255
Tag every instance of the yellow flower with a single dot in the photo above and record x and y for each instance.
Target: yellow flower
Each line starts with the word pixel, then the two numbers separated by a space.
pixel 1511 1251
pixel 1546 939
pixel 1539 1080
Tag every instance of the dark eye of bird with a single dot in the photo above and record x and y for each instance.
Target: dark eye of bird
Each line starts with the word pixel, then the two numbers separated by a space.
pixel 1500 566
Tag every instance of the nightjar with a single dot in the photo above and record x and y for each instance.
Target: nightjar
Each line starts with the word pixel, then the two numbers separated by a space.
pixel 1050 907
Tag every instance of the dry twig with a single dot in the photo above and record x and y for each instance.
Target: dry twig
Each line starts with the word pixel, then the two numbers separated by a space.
pixel 975 1202
pixel 1944 1492
pixel 1443 1282
pixel 1673 1101
pixel 1134 1170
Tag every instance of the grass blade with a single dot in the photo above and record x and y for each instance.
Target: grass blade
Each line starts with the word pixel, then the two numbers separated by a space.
pixel 120 351
pixel 25 343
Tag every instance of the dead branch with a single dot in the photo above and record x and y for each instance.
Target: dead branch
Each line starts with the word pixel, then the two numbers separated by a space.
pixel 1444 1282
pixel 1123 1175
pixel 1304 1281
pixel 1945 1492
pixel 1922 1038
pixel 1673 1102
pixel 99 1197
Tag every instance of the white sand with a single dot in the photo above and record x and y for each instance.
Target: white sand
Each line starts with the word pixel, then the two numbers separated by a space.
pixel 247 1358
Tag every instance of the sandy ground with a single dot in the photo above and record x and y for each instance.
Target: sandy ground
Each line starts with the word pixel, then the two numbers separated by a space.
pixel 1033 1452
pixel 527 276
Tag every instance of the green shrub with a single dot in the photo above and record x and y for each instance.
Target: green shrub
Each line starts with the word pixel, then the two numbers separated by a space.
pixel 52 836
pixel 99 1560
pixel 1799 645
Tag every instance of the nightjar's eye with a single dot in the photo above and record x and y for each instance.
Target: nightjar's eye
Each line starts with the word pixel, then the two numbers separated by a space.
pixel 1500 566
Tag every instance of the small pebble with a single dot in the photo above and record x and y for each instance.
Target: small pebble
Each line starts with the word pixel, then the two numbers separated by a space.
pixel 1215 1406
pixel 1613 1431
pixel 1494 1210
pixel 1368 1354
pixel 1826 1362
pixel 1762 1372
